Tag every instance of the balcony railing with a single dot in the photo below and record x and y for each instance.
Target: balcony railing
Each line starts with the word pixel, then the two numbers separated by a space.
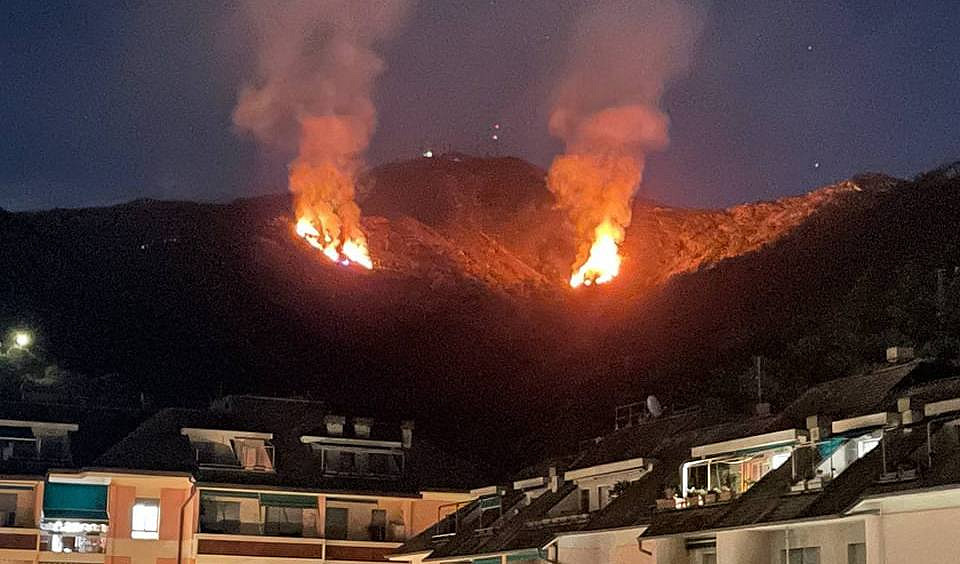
pixel 317 549
pixel 83 543
pixel 18 538
pixel 391 532
pixel 259 458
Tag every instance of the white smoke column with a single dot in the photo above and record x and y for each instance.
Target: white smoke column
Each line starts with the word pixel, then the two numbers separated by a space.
pixel 607 111
pixel 312 94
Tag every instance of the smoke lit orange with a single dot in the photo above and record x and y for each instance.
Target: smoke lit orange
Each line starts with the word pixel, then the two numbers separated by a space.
pixel 323 180
pixel 595 189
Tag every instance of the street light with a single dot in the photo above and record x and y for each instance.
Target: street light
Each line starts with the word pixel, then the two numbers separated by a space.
pixel 22 339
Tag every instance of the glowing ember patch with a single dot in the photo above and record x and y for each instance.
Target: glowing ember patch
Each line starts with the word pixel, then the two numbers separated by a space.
pixel 603 263
pixel 357 253
pixel 350 252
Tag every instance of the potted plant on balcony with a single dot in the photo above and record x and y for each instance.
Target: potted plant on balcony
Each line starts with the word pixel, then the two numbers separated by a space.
pixel 710 496
pixel 669 500
pixel 619 489
pixel 694 497
pixel 728 484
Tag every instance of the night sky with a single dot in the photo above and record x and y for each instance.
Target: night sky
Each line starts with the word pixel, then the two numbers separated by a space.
pixel 102 102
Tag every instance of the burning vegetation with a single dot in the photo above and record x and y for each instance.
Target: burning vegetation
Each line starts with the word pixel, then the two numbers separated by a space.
pixel 323 181
pixel 312 98
pixel 607 111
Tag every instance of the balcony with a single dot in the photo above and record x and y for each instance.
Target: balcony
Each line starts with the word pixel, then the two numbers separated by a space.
pixel 18 544
pixel 32 449
pixel 73 546
pixel 816 464
pixel 211 548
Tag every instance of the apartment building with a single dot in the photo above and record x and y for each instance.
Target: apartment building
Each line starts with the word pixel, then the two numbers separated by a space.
pixel 250 480
pixel 864 469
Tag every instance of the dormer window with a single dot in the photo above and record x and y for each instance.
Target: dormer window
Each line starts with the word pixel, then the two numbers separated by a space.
pixel 218 449
pixel 34 440
pixel 356 457
pixel 726 469
pixel 254 454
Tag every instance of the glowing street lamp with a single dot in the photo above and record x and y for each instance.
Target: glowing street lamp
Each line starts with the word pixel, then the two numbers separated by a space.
pixel 22 339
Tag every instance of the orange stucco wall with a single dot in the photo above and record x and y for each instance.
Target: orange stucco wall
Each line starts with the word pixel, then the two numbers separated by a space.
pixel 170 502
pixel 120 508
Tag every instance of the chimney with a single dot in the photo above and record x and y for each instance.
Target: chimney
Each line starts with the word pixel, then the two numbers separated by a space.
pixel 361 427
pixel 334 424
pixel 908 415
pixel 896 355
pixel 554 481
pixel 818 427
pixel 406 433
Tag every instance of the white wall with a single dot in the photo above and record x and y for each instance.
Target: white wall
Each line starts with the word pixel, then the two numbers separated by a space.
pixel 609 547
pixel 746 547
pixel 922 537
pixel 832 538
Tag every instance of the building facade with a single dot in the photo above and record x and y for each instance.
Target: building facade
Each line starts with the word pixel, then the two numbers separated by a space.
pixel 859 470
pixel 251 480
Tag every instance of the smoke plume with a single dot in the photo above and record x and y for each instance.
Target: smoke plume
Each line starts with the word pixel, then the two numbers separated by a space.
pixel 607 111
pixel 312 94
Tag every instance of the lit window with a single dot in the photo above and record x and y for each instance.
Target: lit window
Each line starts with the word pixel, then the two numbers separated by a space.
pixel 866 445
pixel 146 519
pixel 778 459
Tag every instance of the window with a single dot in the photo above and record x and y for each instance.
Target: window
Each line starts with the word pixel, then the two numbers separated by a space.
pixel 809 555
pixel 8 509
pixel 866 445
pixel 378 525
pixel 283 521
pixel 857 553
pixel 254 454
pixel 584 501
pixel 211 453
pixel 348 461
pixel 777 460
pixel 219 516
pixel 709 558
pixel 54 448
pixel 336 523
pixel 146 519
pixel 378 463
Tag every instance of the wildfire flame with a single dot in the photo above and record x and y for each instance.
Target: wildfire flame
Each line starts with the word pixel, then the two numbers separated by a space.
pixel 596 190
pixel 603 264
pixel 350 252
pixel 323 180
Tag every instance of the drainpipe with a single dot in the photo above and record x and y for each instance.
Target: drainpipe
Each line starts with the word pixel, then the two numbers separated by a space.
pixel 193 492
pixel 643 550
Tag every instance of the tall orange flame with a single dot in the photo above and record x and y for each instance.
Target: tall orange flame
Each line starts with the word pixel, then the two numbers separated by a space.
pixel 323 181
pixel 595 190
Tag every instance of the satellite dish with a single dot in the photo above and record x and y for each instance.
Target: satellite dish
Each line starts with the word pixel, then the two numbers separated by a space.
pixel 653 406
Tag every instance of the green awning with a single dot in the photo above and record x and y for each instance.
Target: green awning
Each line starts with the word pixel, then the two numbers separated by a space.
pixel 75 502
pixel 489 502
pixel 208 494
pixel 285 500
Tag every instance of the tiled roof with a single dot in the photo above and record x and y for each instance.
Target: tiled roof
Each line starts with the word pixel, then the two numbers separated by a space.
pixel 852 396
pixel 98 429
pixel 158 445
pixel 666 442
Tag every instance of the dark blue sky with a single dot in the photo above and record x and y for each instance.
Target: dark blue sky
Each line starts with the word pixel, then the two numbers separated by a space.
pixel 104 102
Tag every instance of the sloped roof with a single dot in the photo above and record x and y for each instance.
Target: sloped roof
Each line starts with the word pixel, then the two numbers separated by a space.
pixel 158 445
pixel 98 428
pixel 852 396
